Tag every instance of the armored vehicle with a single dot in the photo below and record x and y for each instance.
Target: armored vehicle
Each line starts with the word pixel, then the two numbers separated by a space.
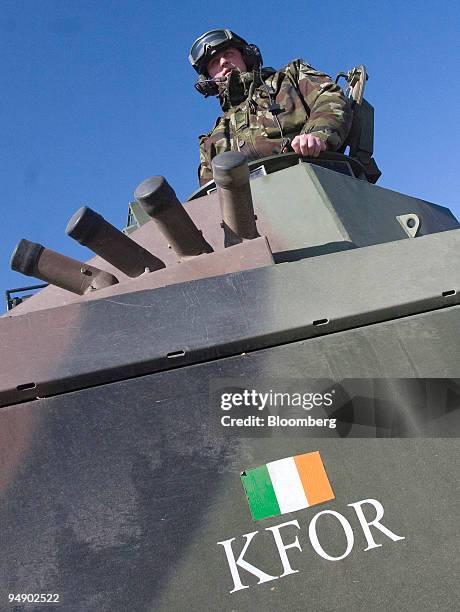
pixel 248 402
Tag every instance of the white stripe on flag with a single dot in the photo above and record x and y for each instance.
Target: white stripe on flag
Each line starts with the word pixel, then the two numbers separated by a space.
pixel 287 485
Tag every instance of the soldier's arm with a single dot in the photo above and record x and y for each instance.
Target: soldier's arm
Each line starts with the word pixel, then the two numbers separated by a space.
pixel 205 168
pixel 329 109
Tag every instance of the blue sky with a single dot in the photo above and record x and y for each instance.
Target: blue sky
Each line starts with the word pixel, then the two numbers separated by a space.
pixel 98 95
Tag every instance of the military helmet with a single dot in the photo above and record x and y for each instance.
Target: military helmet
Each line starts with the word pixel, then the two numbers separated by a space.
pixel 214 41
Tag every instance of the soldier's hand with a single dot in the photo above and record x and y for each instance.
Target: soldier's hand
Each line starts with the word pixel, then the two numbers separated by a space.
pixel 308 145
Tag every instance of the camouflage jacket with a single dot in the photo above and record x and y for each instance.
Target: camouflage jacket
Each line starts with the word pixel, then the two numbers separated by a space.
pixel 310 104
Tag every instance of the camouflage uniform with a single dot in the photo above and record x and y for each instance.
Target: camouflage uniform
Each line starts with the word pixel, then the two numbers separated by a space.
pixel 310 103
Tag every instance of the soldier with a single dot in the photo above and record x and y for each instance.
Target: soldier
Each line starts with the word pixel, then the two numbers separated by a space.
pixel 265 111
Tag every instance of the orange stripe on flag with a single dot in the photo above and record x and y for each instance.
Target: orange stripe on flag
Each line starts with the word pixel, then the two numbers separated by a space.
pixel 314 478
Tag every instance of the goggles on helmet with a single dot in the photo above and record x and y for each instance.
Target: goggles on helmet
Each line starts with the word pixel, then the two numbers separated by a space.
pixel 210 43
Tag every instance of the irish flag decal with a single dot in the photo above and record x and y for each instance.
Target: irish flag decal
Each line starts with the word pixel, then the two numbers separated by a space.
pixel 287 485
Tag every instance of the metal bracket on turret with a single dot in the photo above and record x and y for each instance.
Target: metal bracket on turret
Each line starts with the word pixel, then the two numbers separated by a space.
pixel 410 224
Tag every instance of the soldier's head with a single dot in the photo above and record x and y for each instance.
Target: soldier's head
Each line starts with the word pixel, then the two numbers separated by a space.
pixel 215 53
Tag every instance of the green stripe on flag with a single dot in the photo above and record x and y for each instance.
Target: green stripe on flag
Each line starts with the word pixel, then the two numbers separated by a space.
pixel 260 493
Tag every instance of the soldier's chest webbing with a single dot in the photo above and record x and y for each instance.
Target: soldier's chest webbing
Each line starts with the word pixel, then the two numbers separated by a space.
pixel 250 121
pixel 248 125
pixel 239 120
